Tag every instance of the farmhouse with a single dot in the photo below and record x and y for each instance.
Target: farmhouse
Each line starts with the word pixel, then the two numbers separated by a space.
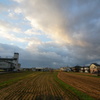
pixel 10 64
pixel 94 68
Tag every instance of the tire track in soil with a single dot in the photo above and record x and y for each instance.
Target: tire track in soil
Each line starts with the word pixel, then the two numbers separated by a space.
pixel 35 87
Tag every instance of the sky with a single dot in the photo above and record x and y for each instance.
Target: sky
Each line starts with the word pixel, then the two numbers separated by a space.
pixel 50 33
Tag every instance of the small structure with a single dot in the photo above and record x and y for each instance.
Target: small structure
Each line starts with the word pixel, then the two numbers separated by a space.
pixel 95 68
pixel 39 69
pixel 26 69
pixel 10 64
pixel 46 69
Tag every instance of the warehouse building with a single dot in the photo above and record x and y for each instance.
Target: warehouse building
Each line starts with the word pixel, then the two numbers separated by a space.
pixel 10 64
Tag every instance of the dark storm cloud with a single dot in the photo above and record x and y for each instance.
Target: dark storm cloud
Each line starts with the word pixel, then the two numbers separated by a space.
pixel 32 59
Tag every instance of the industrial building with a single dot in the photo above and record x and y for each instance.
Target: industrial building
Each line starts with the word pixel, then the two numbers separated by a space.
pixel 10 64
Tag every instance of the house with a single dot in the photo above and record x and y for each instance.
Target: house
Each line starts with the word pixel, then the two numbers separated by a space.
pixel 10 64
pixel 94 68
pixel 85 69
pixel 63 69
pixel 82 69
pixel 72 69
pixel 77 68
pixel 46 69
pixel 66 69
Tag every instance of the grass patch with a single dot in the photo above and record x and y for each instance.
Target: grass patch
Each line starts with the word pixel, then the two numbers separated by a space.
pixel 96 76
pixel 1 70
pixel 10 78
pixel 81 95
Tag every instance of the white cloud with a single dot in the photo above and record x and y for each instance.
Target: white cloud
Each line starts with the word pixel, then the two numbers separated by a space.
pixel 32 31
pixel 19 1
pixel 11 15
pixel 3 7
pixel 49 18
pixel 17 10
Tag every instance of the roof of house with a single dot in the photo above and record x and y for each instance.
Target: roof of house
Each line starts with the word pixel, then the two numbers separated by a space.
pixel 95 64
pixel 85 67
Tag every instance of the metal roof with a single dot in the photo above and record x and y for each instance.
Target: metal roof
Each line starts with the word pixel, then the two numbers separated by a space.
pixel 3 59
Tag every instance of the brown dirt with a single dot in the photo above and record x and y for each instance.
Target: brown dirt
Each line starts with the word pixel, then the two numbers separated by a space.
pixel 41 86
pixel 87 84
pixel 12 75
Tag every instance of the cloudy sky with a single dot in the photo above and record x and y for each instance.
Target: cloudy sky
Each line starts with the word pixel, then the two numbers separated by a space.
pixel 50 33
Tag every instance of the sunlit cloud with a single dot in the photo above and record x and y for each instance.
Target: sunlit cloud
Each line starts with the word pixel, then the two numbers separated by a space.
pixel 52 32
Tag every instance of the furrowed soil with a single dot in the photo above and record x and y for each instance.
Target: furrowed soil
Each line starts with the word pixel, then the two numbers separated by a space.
pixel 86 84
pixel 10 76
pixel 40 86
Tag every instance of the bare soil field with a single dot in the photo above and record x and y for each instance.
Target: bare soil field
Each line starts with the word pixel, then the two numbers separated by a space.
pixel 13 75
pixel 40 86
pixel 86 74
pixel 86 84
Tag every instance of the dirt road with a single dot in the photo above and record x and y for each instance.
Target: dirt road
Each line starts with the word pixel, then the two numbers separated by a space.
pixel 87 84
pixel 41 86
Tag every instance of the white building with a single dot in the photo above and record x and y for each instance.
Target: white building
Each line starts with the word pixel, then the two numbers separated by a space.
pixel 65 69
pixel 10 64
pixel 38 69
pixel 84 69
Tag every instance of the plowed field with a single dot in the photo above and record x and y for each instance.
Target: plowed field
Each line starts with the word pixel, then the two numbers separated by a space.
pixel 41 86
pixel 87 84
